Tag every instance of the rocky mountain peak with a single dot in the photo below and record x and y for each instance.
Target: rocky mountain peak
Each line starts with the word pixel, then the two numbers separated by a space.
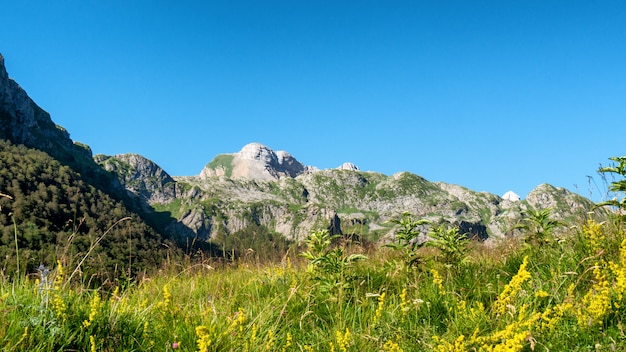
pixel 512 196
pixel 140 176
pixel 22 121
pixel 348 166
pixel 255 161
pixel 258 152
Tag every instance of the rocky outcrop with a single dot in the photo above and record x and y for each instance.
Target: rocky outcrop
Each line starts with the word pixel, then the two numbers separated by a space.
pixel 256 161
pixel 357 202
pixel 141 177
pixel 22 121
pixel 348 166
pixel 512 196
pixel 546 196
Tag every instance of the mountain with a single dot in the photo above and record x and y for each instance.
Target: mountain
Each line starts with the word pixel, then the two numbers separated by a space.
pixel 57 201
pixel 260 187
pixel 257 162
pixel 242 197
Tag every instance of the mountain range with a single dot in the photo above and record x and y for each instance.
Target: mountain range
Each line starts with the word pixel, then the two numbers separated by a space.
pixel 258 187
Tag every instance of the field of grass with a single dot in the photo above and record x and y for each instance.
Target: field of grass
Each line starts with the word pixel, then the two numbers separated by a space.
pixel 566 293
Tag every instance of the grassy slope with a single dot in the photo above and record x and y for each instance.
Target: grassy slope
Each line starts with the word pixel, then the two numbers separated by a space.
pixel 569 295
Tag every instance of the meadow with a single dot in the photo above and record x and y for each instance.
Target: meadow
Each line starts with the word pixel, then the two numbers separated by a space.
pixel 552 287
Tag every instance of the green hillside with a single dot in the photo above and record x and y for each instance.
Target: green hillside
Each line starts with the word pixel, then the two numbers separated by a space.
pixel 54 214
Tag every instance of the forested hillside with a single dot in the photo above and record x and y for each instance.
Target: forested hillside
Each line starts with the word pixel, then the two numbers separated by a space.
pixel 58 216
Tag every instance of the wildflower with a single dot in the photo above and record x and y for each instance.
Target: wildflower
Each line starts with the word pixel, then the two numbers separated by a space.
pixel 94 308
pixel 270 341
pixel 238 321
pixel 59 306
pixel 593 232
pixel 204 338
pixel 42 282
pixel 379 310
pixel 287 342
pixel 175 345
pixel 92 343
pixel 58 279
pixel 116 292
pixel 445 346
pixel 145 331
pixel 391 346
pixel 512 288
pixel 541 294
pixel 438 281
pixel 596 304
pixel 403 304
pixel 167 298
pixel 343 340
pixel 252 339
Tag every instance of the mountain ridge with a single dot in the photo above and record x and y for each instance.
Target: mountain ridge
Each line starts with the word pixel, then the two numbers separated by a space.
pixel 258 186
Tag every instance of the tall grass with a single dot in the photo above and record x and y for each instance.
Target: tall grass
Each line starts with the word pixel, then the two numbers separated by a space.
pixel 567 295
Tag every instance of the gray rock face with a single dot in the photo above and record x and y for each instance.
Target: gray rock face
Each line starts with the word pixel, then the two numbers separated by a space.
pixel 24 122
pixel 141 177
pixel 256 161
pixel 547 196
pixel 358 202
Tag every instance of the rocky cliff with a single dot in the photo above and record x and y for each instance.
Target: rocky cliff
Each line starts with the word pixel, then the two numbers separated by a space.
pixel 24 122
pixel 257 162
pixel 257 186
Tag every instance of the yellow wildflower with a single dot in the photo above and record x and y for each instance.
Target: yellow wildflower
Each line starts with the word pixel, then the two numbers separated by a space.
pixel 204 338
pixel 145 332
pixel 92 343
pixel 438 281
pixel 512 288
pixel 94 308
pixel 59 277
pixel 269 346
pixel 403 304
pixel 379 310
pixel 252 339
pixel 343 340
pixel 445 346
pixel 287 342
pixel 59 306
pixel 391 346
pixel 594 234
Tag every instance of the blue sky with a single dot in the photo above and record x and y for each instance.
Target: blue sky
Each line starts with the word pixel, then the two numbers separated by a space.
pixel 490 95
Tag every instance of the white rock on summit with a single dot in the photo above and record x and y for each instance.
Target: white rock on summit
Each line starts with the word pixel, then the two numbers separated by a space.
pixel 258 162
pixel 348 166
pixel 512 196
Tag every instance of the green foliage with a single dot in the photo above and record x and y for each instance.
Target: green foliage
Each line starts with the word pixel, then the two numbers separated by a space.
pixel 538 226
pixel 501 298
pixel 619 186
pixel 253 242
pixel 56 215
pixel 452 245
pixel 406 239
pixel 328 265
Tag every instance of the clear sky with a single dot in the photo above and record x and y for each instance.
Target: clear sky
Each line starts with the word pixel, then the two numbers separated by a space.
pixel 490 95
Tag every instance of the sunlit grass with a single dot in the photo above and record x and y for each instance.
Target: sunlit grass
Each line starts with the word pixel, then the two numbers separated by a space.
pixel 569 295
